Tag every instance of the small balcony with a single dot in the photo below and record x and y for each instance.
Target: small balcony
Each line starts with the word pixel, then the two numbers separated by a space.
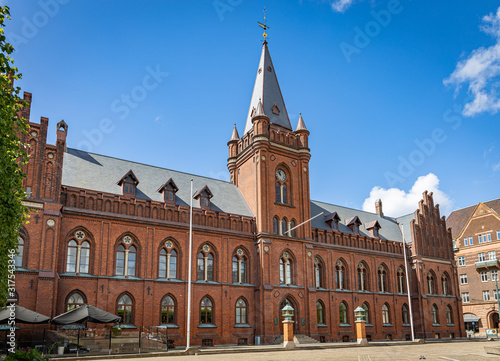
pixel 488 264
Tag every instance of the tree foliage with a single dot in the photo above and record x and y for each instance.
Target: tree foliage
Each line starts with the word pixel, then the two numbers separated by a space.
pixel 12 156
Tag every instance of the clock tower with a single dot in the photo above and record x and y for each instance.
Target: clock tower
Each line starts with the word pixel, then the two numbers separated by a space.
pixel 270 162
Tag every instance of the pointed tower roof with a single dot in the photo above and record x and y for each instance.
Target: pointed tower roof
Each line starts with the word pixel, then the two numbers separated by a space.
pixel 300 124
pixel 267 90
pixel 235 135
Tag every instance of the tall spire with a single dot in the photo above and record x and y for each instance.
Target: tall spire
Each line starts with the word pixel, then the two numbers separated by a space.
pixel 267 90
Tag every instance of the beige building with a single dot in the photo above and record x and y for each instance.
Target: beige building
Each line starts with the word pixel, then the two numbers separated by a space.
pixel 476 236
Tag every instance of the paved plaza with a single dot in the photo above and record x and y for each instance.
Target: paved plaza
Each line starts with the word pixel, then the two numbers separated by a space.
pixel 455 350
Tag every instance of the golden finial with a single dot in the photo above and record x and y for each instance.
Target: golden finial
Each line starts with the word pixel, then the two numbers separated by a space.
pixel 264 26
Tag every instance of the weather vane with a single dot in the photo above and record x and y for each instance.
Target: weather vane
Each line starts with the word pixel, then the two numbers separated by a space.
pixel 264 26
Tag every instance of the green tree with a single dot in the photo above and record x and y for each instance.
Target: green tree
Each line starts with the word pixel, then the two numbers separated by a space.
pixel 12 157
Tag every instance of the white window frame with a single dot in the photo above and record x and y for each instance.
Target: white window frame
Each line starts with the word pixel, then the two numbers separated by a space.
pixel 495 294
pixel 471 241
pixel 486 296
pixel 498 235
pixel 481 257
pixel 466 241
pixel 489 237
pixel 484 276
pixel 461 261
pixel 463 279
pixel 494 255
pixel 465 297
pixel 494 275
pixel 480 238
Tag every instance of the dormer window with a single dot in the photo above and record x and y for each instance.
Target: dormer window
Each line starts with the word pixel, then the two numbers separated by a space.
pixel 168 190
pixel 332 220
pixel 129 184
pixel 203 196
pixel 373 227
pixel 353 224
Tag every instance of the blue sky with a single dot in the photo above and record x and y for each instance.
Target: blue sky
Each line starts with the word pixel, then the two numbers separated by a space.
pixel 399 96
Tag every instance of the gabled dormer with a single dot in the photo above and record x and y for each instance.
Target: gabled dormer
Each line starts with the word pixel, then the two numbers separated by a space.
pixel 203 196
pixel 129 184
pixel 373 227
pixel 353 224
pixel 332 220
pixel 168 191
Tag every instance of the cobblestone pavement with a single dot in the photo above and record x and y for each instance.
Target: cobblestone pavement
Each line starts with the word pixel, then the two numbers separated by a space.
pixel 455 351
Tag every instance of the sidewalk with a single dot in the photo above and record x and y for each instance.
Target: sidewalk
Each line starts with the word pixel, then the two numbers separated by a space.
pixel 305 352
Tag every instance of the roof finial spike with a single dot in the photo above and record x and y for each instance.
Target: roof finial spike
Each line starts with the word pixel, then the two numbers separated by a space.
pixel 264 26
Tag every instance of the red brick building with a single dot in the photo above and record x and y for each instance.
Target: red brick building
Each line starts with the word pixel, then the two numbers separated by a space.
pixel 115 234
pixel 476 233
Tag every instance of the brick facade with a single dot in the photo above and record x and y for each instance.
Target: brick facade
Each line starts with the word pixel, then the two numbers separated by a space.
pixel 105 221
pixel 477 248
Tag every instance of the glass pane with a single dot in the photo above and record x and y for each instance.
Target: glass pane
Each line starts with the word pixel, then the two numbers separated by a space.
pixel 84 259
pixel 173 265
pixel 131 264
pixel 210 270
pixel 71 260
pixel 163 267
pixel 201 268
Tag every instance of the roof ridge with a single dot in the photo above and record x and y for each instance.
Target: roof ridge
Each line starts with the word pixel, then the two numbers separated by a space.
pixel 149 165
pixel 475 205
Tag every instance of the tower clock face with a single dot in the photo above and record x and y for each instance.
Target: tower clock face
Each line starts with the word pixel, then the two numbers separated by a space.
pixel 281 175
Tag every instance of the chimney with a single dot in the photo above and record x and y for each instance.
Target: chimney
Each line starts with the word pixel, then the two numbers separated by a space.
pixel 378 207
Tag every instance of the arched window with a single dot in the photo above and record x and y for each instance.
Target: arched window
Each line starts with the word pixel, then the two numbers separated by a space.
pixel 367 312
pixel 125 309
pixel 126 257
pixel 18 258
pixel 449 315
pixel 404 314
pixel 434 314
pixel 385 313
pixel 132 256
pixel 320 313
pixel 205 264
pixel 75 300
pixel 291 232
pixel 281 186
pixel 276 225
pixel 78 253
pixel 318 273
pixel 168 261
pixel 206 315
pixel 241 312
pixel 71 259
pixel 240 265
pixel 401 276
pixel 430 282
pixel 168 310
pixel 362 277
pixel 343 313
pixel 284 226
pixel 445 282
pixel 382 279
pixel 285 269
pixel 341 275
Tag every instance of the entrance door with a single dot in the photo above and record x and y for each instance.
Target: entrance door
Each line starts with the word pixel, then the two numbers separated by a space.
pixel 494 320
pixel 285 302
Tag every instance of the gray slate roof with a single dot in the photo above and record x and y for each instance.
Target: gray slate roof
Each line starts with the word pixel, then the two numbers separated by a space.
pixel 389 226
pixel 267 90
pixel 101 173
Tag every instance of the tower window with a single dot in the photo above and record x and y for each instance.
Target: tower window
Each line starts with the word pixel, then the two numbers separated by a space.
pixel 282 186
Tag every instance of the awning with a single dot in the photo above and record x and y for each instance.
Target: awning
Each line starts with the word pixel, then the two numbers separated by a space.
pixel 470 317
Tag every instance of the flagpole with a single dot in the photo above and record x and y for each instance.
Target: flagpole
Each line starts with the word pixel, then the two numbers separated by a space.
pixel 188 345
pixel 408 285
pixel 309 220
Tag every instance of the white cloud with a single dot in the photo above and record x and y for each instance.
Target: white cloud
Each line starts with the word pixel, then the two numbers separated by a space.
pixel 496 167
pixel 341 5
pixel 396 202
pixel 479 70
